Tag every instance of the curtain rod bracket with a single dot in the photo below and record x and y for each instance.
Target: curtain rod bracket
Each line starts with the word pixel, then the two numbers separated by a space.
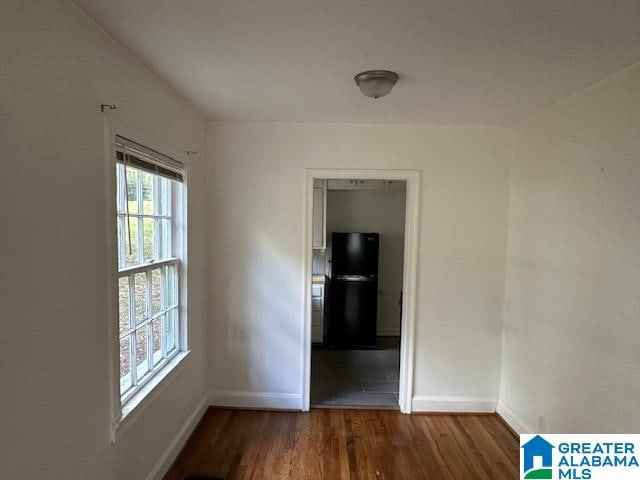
pixel 107 106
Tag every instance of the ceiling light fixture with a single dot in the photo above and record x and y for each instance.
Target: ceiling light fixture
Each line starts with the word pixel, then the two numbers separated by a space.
pixel 376 83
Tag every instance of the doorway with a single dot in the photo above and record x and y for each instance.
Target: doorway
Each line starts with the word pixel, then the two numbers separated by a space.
pixel 360 252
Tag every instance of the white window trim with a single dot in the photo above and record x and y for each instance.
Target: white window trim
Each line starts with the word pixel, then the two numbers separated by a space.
pixel 122 416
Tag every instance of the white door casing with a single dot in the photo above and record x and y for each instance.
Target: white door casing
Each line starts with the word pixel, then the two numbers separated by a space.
pixel 407 339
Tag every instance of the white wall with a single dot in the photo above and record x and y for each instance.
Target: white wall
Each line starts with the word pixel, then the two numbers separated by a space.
pixel 572 305
pixel 381 211
pixel 57 67
pixel 256 187
pixel 570 342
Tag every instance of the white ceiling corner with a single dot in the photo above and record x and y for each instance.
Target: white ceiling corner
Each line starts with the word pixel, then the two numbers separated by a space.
pixel 461 62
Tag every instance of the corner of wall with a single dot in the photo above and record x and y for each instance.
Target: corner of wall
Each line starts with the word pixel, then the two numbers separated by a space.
pixel 506 260
pixel 515 422
pixel 173 449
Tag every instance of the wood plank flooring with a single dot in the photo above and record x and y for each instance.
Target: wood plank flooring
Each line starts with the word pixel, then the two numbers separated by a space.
pixel 348 444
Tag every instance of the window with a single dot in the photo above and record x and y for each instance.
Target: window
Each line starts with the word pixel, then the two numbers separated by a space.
pixel 150 239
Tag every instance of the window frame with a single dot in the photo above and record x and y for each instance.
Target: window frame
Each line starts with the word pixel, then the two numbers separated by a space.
pixel 146 268
pixel 125 409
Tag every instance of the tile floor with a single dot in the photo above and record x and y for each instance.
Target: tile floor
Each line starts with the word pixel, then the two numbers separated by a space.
pixel 362 378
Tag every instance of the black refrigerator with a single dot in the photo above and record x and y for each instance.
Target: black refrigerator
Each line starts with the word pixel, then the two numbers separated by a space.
pixel 353 302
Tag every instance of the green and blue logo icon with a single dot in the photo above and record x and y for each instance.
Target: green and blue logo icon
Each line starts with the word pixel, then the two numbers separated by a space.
pixel 537 459
pixel 580 456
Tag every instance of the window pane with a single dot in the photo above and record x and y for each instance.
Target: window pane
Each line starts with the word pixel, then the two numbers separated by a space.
pixel 140 294
pixel 120 187
pixel 147 193
pixel 142 351
pixel 131 241
pixel 123 298
pixel 132 189
pixel 170 289
pixel 156 339
pixel 121 242
pixel 156 291
pixel 148 237
pixel 125 364
pixel 171 339
pixel 164 236
pixel 164 196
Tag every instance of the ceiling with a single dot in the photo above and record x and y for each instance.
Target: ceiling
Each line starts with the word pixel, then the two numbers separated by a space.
pixel 461 62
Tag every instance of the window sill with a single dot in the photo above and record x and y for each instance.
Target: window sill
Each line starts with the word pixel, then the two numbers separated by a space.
pixel 147 395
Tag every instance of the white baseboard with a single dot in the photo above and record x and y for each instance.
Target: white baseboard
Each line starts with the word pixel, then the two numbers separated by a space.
pixel 243 399
pixel 422 403
pixel 166 459
pixel 512 419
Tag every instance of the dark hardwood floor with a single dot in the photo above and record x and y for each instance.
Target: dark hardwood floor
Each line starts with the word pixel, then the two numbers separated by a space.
pixel 347 444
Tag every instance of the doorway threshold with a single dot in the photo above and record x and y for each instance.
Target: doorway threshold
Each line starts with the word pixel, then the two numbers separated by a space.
pixel 356 407
pixel 355 378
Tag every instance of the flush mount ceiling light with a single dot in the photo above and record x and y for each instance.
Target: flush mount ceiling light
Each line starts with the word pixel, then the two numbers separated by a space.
pixel 376 83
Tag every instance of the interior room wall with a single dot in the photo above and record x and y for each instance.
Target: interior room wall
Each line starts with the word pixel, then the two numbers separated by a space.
pixel 57 68
pixel 256 178
pixel 381 211
pixel 570 356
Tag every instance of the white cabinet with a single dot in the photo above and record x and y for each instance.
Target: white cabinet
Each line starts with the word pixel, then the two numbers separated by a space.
pixel 319 213
pixel 317 313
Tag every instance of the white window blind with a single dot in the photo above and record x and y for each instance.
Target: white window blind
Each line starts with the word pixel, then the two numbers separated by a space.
pixel 143 158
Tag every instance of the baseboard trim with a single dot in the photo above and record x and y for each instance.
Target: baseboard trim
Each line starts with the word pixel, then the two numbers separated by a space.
pixel 256 400
pixel 171 453
pixel 515 422
pixel 422 403
pixel 506 425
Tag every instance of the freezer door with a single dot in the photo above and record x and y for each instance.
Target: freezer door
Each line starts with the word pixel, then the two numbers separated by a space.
pixel 354 253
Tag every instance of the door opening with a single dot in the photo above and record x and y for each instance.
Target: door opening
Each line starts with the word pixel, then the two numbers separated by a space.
pixel 358 348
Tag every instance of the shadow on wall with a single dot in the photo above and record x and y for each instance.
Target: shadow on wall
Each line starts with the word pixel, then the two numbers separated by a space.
pixel 259 337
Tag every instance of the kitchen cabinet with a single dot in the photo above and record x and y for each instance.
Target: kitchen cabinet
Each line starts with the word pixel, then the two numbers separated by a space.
pixel 317 312
pixel 319 214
